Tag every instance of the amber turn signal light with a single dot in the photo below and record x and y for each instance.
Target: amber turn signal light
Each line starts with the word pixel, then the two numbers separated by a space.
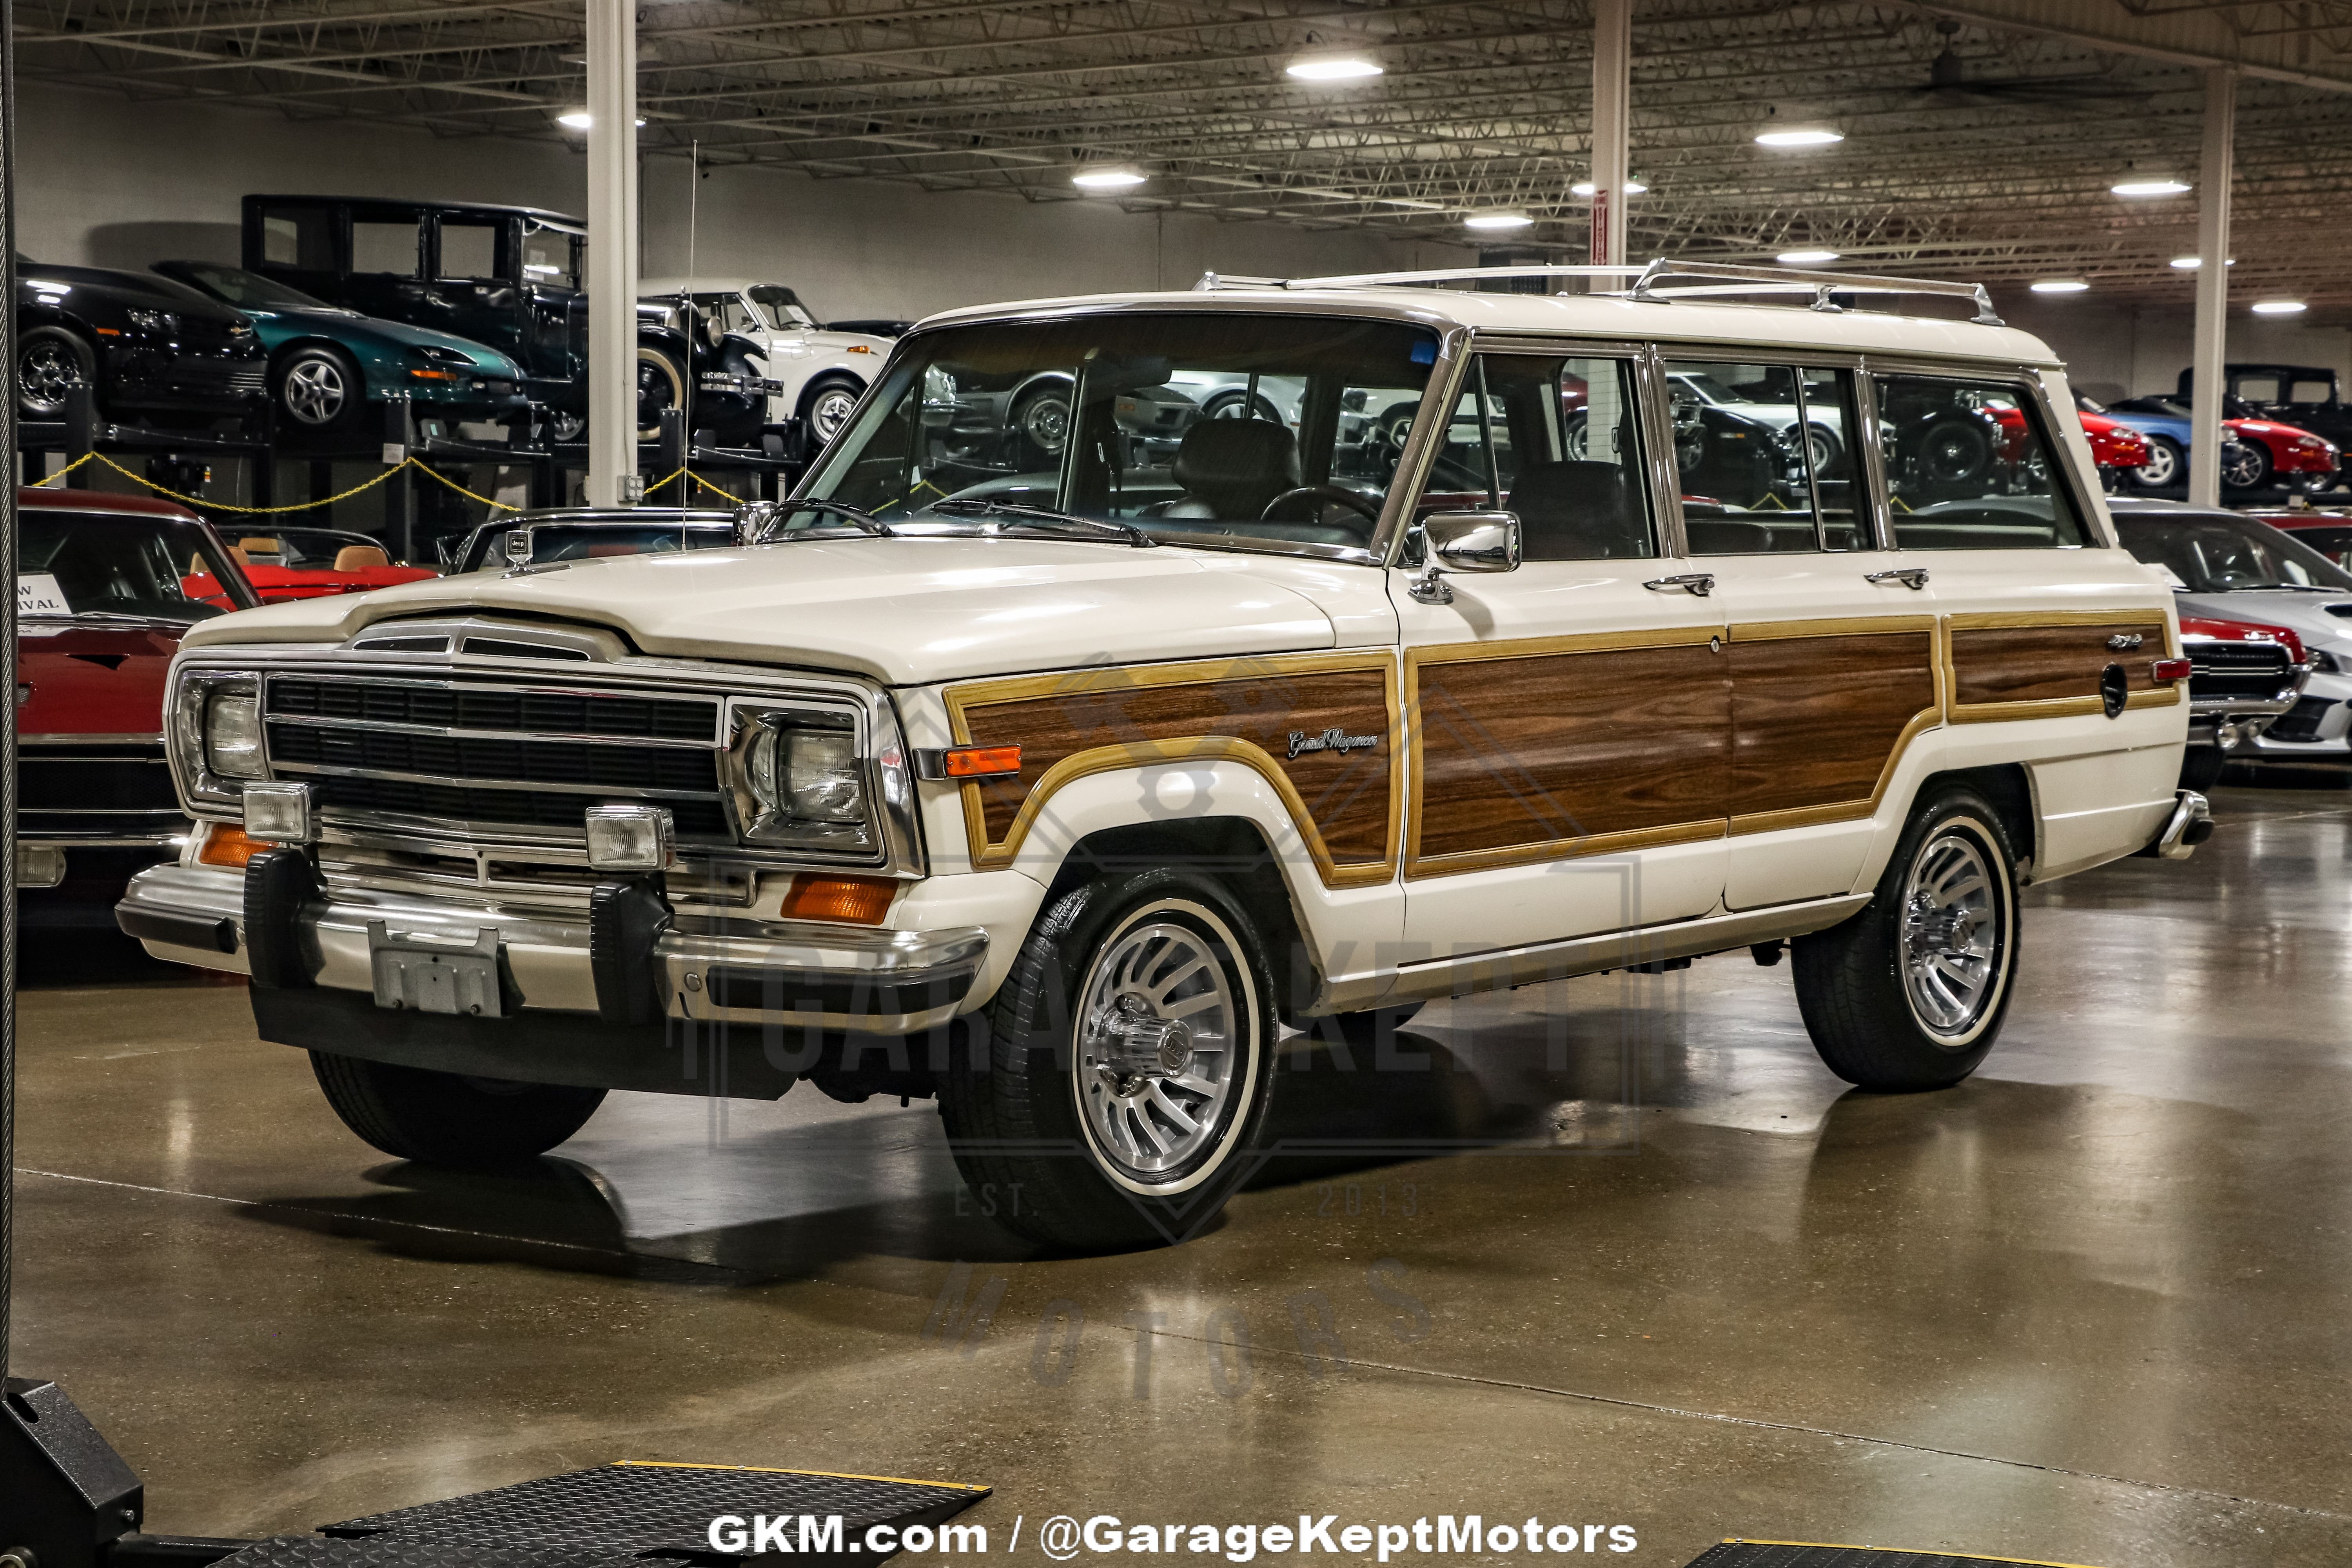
pixel 983 761
pixel 860 900
pixel 2172 669
pixel 227 845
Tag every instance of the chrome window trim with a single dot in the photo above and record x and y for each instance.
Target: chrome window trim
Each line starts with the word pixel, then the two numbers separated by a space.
pixel 155 739
pixel 901 852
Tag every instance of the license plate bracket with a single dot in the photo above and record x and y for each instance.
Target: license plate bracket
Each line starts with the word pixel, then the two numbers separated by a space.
pixel 421 976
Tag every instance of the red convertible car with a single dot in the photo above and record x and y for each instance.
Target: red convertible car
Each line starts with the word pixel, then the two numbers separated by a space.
pixel 311 564
pixel 102 597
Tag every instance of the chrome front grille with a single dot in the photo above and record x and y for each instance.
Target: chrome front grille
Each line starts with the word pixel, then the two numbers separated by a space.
pixel 502 753
pixel 2225 671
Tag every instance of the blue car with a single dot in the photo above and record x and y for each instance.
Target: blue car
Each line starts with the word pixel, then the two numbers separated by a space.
pixel 327 363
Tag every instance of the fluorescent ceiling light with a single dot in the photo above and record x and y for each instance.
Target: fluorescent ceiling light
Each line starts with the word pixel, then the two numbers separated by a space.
pixel 2279 307
pixel 1806 258
pixel 1586 187
pixel 2191 263
pixel 2159 188
pixel 1497 220
pixel 580 119
pixel 1798 136
pixel 2059 286
pixel 1107 179
pixel 1335 68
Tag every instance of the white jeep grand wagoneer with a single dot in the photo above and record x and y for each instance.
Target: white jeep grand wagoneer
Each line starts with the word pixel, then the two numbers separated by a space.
pixel 1054 783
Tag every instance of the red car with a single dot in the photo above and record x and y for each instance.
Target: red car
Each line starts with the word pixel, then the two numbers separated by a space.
pixel 2325 529
pixel 2243 676
pixel 2115 446
pixel 2257 453
pixel 102 597
pixel 310 563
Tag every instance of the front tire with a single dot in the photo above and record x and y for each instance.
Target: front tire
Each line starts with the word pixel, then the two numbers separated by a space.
pixel 444 1119
pixel 2245 466
pixel 2164 467
pixel 1126 1067
pixel 49 360
pixel 1910 993
pixel 828 405
pixel 661 385
pixel 319 389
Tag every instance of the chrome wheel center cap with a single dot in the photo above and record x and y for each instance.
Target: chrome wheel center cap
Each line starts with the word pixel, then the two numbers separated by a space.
pixel 1139 1045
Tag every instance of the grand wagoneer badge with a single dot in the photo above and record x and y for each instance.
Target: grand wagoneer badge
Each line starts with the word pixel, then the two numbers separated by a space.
pixel 1301 742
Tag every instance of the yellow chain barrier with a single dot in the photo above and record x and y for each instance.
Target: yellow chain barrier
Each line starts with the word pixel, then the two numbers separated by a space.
pixel 47 481
pixel 699 479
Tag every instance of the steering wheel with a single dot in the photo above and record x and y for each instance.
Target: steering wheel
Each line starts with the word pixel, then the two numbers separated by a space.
pixel 1363 505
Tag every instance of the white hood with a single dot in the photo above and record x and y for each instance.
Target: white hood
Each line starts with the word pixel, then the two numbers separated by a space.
pixel 904 611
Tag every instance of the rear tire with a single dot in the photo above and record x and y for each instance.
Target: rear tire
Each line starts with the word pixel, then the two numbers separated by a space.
pixel 1911 992
pixel 444 1119
pixel 2165 466
pixel 1061 1117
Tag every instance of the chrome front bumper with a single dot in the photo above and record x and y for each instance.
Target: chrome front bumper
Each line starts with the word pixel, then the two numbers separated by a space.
pixel 804 973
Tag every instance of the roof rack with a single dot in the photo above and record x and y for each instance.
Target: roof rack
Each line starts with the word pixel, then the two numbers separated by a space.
pixel 1716 277
pixel 1661 281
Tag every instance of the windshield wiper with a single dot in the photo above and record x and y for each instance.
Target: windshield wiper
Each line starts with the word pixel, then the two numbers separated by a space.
pixel 1041 516
pixel 864 521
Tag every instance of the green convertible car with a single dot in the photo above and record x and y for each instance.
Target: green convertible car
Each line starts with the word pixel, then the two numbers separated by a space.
pixel 327 363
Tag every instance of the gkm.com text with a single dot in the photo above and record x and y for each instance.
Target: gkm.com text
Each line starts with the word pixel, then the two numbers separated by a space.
pixel 1063 1537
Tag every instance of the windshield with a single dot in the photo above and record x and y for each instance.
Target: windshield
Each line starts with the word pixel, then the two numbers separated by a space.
pixel 1112 417
pixel 250 290
pixel 2211 553
pixel 155 568
pixel 781 306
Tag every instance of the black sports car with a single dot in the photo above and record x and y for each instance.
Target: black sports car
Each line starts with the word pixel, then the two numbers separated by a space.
pixel 152 349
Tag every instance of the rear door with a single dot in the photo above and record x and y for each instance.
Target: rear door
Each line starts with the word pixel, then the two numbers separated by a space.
pixel 1832 652
pixel 1570 721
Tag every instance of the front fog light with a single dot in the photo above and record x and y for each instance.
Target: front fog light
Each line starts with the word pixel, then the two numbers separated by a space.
pixel 233 736
pixel 631 838
pixel 278 813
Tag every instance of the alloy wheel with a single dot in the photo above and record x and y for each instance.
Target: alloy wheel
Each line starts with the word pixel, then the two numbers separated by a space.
pixel 1953 944
pixel 42 374
pixel 315 391
pixel 1159 1049
pixel 831 411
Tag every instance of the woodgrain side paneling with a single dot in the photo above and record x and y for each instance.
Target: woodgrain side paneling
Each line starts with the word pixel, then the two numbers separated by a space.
pixel 2049 663
pixel 1555 753
pixel 1246 708
pixel 1815 720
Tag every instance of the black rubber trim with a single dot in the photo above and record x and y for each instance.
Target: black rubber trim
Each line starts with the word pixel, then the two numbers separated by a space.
pixel 180 930
pixel 676 1056
pixel 792 990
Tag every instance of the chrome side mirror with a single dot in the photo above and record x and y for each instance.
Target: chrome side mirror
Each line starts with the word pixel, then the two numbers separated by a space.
pixel 1465 541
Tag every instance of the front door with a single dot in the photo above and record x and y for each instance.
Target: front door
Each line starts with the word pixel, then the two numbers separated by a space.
pixel 1570 722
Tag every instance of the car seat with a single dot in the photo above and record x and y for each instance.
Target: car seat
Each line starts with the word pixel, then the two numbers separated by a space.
pixel 1231 469
pixel 360 557
pixel 1576 512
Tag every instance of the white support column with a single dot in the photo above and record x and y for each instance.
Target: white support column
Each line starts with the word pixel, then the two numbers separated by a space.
pixel 2210 350
pixel 612 476
pixel 1613 76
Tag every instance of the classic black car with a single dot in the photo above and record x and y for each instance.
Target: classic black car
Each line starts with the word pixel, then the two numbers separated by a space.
pixel 152 349
pixel 511 278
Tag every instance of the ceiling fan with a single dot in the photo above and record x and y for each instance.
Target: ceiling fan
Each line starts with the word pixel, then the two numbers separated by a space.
pixel 1948 83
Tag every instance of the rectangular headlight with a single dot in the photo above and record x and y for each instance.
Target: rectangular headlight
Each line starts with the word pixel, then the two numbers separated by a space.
pixel 801 779
pixel 278 813
pixel 631 837
pixel 211 761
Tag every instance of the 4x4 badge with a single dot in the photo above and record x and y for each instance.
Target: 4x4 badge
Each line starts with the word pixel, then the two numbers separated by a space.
pixel 1301 742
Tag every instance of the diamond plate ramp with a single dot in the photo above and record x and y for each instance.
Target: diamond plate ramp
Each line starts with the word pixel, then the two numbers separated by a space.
pixel 1816 1554
pixel 614 1517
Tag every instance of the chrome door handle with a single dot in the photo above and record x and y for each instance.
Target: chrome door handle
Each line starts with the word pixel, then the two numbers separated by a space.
pixel 1701 584
pixel 1912 577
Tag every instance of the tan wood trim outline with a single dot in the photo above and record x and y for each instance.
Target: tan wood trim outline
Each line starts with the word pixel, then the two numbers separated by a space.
pixel 1417 866
pixel 1927 718
pixel 1958 712
pixel 989 857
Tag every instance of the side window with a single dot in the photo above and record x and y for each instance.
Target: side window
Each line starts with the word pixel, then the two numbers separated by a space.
pixel 1763 457
pixel 1556 439
pixel 469 250
pixel 298 237
pixel 550 256
pixel 1970 465
pixel 2311 392
pixel 388 248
